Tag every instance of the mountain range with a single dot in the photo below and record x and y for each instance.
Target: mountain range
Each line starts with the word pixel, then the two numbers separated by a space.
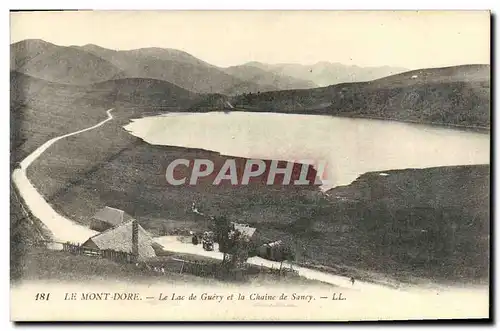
pixel 326 73
pixel 168 78
pixel 81 65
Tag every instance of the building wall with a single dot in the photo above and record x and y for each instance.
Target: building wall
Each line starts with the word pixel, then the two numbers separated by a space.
pixel 98 225
pixel 90 244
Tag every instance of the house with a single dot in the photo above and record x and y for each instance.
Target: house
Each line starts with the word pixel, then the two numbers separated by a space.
pixel 128 237
pixel 275 251
pixel 108 217
pixel 245 229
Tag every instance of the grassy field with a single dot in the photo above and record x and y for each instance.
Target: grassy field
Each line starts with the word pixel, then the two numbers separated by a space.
pixel 41 264
pixel 41 110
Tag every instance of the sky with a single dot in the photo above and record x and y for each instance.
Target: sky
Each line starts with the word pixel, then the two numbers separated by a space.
pixel 411 40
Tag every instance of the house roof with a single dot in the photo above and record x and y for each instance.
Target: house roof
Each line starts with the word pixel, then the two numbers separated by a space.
pixel 112 216
pixel 245 229
pixel 119 238
pixel 275 243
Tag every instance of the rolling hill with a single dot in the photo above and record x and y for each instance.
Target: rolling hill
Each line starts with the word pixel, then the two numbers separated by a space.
pixel 148 52
pixel 463 73
pixel 327 73
pixel 143 91
pixel 24 51
pixel 448 96
pixel 41 109
pixel 176 67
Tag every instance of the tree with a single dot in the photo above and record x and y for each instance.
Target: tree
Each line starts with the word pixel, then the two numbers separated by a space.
pixel 238 246
pixel 234 244
pixel 221 227
pixel 286 254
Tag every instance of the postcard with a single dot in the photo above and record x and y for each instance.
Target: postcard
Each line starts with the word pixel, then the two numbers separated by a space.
pixel 250 165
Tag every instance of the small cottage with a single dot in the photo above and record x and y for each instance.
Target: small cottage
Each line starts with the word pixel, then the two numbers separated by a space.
pixel 246 230
pixel 128 237
pixel 108 217
pixel 275 251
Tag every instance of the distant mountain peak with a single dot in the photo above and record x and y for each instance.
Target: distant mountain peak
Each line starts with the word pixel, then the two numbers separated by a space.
pixel 60 64
pixel 325 63
pixel 253 63
pixel 33 42
pixel 93 46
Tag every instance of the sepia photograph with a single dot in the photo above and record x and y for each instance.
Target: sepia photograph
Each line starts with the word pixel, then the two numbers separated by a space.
pixel 250 165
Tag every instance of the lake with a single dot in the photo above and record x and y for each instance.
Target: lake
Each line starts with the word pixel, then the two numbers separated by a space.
pixel 348 146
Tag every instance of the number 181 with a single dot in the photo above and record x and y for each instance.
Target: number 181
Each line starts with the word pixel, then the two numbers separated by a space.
pixel 42 296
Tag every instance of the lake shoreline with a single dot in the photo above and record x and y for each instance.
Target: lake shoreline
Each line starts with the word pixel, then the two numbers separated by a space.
pixel 348 147
pixel 322 112
pixel 325 112
pixel 477 129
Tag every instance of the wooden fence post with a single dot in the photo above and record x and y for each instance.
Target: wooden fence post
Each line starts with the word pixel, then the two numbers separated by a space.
pixel 182 268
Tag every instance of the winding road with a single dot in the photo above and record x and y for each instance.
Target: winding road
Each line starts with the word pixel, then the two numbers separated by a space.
pixel 174 244
pixel 63 229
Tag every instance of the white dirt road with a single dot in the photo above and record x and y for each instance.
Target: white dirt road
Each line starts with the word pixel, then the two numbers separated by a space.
pixel 174 244
pixel 62 228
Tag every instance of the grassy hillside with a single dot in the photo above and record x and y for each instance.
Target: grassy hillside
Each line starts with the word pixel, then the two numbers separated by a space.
pixel 143 91
pixel 210 102
pixel 41 110
pixel 447 96
pixel 467 73
pixel 434 221
pixel 81 65
pixel 43 264
pixel 177 67
pixel 24 51
pixel 151 52
pixel 23 235
pixel 59 64
pixel 91 63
